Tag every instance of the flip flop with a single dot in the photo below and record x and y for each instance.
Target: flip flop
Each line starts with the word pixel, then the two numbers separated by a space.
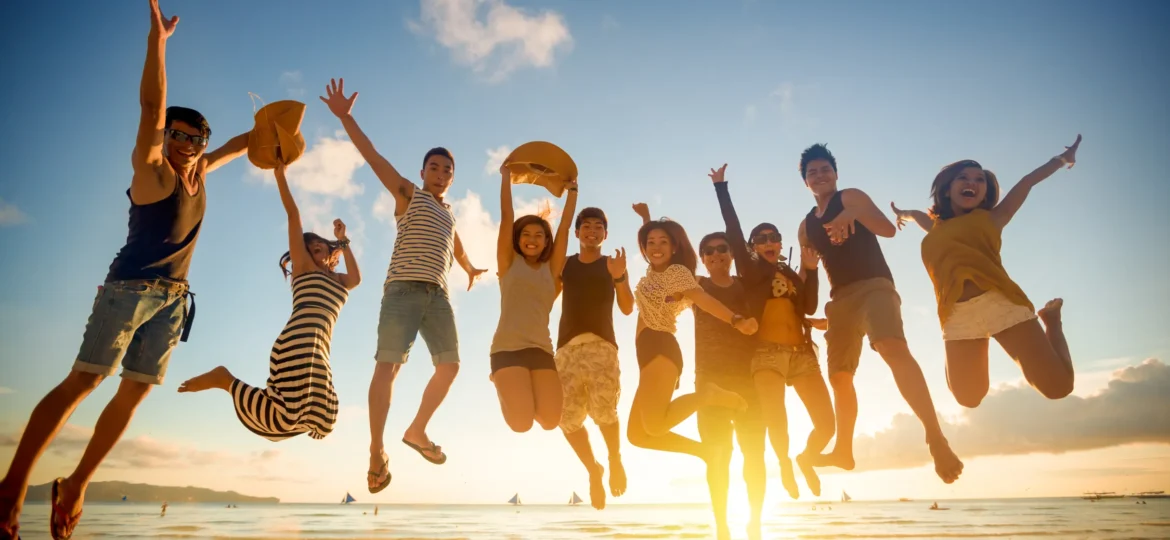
pixel 377 473
pixel 58 516
pixel 422 451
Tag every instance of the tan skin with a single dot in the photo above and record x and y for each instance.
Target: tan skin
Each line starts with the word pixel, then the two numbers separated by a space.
pixel 821 180
pixel 1041 351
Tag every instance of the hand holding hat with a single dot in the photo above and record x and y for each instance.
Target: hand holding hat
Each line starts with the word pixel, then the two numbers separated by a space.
pixel 544 164
pixel 276 137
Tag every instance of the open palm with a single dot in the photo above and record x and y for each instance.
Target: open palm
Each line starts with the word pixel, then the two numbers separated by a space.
pixel 159 24
pixel 338 104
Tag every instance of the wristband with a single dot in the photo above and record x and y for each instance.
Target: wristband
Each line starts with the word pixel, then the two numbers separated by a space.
pixel 620 279
pixel 343 243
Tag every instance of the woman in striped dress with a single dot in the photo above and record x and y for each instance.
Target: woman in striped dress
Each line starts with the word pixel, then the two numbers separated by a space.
pixel 299 397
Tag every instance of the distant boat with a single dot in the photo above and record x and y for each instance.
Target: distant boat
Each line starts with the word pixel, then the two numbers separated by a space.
pixel 515 500
pixel 348 498
pixel 575 500
pixel 1151 495
pixel 845 496
pixel 904 499
pixel 1098 495
pixel 123 498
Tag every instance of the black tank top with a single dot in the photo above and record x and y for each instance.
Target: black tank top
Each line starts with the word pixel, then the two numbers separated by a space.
pixel 162 236
pixel 588 300
pixel 859 258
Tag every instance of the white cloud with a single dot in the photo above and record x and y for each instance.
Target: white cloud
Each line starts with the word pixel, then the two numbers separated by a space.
pixel 496 158
pixel 10 214
pixel 4 390
pixel 384 207
pixel 293 83
pixel 497 42
pixel 324 173
pixel 1133 408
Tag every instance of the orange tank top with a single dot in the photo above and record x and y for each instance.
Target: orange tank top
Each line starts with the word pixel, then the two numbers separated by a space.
pixel 966 248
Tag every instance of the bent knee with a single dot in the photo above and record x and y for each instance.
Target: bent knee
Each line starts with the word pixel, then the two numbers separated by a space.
pixel 83 382
pixel 841 380
pixel 893 350
pixel 969 399
pixel 1056 387
pixel 450 369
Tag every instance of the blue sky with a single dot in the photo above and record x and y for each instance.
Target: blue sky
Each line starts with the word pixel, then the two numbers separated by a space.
pixel 645 97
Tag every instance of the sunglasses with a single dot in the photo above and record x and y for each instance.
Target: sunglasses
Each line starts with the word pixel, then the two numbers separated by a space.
pixel 766 238
pixel 182 137
pixel 711 250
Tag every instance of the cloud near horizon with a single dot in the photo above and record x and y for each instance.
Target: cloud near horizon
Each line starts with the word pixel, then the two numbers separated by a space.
pixel 1133 408
pixel 502 40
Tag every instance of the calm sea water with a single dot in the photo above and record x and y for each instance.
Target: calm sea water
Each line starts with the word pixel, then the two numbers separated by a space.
pixel 1010 518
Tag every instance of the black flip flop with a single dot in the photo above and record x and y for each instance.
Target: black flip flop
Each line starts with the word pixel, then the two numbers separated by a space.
pixel 422 451
pixel 376 474
pixel 59 514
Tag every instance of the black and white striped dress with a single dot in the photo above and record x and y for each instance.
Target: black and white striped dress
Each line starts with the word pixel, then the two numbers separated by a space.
pixel 299 397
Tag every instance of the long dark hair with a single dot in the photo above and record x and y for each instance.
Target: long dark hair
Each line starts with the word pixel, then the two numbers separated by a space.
pixel 940 190
pixel 286 259
pixel 533 219
pixel 684 252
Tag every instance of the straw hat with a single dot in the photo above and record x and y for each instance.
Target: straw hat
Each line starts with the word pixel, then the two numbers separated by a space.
pixel 544 164
pixel 276 138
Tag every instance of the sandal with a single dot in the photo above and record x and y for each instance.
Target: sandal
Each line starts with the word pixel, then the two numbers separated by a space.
pixel 61 525
pixel 378 473
pixel 432 448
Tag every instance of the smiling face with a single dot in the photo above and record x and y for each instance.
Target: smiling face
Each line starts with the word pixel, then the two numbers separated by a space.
pixel 821 177
pixel 437 174
pixel 323 255
pixel 591 233
pixel 716 254
pixel 768 245
pixel 532 240
pixel 184 143
pixel 658 249
pixel 968 190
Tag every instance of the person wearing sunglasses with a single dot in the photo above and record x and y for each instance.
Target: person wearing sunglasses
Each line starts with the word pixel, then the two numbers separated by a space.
pixel 141 310
pixel 843 228
pixel 977 300
pixel 723 357
pixel 784 353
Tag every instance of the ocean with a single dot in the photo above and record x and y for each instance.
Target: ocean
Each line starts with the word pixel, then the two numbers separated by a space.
pixel 1001 518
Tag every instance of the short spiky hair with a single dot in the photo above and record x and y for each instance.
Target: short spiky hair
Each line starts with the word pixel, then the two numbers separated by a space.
pixel 813 153
pixel 190 117
pixel 438 151
pixel 588 213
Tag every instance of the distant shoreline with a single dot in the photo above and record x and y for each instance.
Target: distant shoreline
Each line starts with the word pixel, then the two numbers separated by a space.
pixel 248 500
pixel 147 493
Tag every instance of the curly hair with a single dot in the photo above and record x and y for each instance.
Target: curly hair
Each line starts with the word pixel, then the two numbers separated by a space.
pixel 940 190
pixel 684 252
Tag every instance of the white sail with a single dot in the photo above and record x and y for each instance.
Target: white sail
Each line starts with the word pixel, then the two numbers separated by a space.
pixel 515 500
pixel 845 497
pixel 575 499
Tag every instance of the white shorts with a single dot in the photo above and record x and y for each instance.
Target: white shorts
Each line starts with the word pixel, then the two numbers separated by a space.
pixel 984 316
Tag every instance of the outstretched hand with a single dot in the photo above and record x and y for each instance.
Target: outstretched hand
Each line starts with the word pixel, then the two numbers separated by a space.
pixel 338 104
pixel 841 227
pixel 747 327
pixel 1070 152
pixel 716 176
pixel 819 324
pixel 642 210
pixel 616 263
pixel 339 230
pixel 809 258
pixel 903 216
pixel 160 25
pixel 473 275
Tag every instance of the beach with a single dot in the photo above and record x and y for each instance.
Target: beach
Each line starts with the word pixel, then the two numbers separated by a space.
pixel 1001 518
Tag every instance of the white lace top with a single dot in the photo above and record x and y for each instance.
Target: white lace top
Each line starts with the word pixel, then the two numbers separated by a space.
pixel 659 301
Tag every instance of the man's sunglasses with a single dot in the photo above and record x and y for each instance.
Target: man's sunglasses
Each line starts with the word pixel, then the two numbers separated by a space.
pixel 711 250
pixel 179 136
pixel 766 238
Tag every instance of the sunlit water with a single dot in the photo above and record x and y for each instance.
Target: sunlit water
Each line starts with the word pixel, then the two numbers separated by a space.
pixel 1005 518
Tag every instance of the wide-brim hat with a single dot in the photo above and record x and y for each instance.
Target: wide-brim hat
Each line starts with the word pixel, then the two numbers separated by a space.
pixel 276 138
pixel 544 164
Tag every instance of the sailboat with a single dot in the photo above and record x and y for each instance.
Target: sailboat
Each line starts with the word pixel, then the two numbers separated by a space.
pixel 348 498
pixel 575 500
pixel 515 500
pixel 845 496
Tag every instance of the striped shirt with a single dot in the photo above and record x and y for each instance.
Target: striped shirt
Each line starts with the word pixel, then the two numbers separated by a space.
pixel 425 246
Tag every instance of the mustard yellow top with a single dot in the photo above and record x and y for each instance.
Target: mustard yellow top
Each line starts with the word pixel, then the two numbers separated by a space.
pixel 966 248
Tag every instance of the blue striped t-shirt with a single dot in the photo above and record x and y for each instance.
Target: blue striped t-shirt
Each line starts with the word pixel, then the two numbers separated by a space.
pixel 425 246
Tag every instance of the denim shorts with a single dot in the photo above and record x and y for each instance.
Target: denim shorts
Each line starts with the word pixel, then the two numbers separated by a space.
pixel 410 308
pixel 135 323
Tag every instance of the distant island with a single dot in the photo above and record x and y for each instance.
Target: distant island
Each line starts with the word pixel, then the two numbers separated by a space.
pixel 114 491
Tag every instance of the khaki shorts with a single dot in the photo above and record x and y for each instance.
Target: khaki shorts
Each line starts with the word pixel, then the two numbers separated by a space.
pixel 590 382
pixel 868 308
pixel 791 362
pixel 984 316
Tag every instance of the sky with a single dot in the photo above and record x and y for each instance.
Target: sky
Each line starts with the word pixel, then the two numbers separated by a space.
pixel 646 97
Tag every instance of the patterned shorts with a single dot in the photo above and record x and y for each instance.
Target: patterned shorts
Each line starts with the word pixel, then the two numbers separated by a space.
pixel 790 362
pixel 590 381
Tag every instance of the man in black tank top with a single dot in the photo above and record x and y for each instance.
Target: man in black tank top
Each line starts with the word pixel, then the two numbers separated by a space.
pixel 587 359
pixel 843 228
pixel 140 312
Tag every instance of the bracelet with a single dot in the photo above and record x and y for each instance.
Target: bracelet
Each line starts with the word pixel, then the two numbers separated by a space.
pixel 572 189
pixel 343 243
pixel 621 278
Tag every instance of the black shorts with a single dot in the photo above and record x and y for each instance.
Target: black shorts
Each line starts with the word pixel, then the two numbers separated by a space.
pixel 532 359
pixel 652 343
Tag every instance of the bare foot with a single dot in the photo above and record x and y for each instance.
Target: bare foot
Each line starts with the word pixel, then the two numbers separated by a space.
pixel 841 460
pixel 617 477
pixel 1050 313
pixel 810 474
pixel 946 463
pixel 716 396
pixel 219 377
pixel 596 487
pixel 788 478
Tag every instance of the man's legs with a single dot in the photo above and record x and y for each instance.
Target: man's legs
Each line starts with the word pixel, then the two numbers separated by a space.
pixel 42 427
pixel 749 431
pixel 438 330
pixel 612 433
pixel 433 396
pixel 715 431
pixel 403 303
pixel 381 389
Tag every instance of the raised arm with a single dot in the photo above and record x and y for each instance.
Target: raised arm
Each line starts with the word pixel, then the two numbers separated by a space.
pixel 616 265
pixel 917 216
pixel 504 250
pixel 745 263
pixel 810 276
pixel 353 275
pixel 152 97
pixel 298 253
pixel 561 244
pixel 1007 208
pixel 401 188
pixel 643 211
pixel 235 147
